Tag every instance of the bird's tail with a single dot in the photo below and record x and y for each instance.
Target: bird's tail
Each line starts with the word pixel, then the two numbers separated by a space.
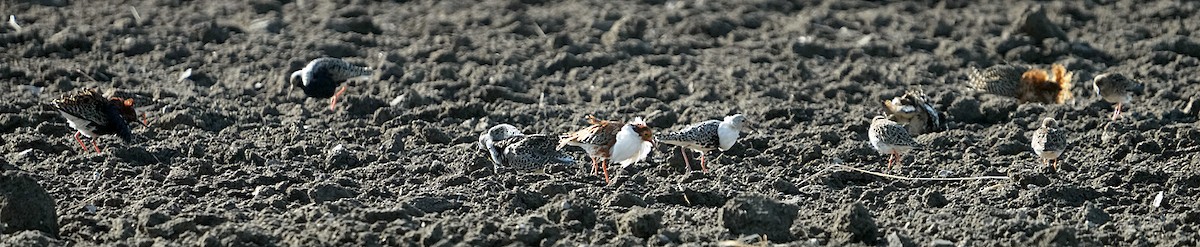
pixel 563 140
pixel 1063 78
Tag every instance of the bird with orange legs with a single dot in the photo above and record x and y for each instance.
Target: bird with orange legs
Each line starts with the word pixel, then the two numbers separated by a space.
pixel 890 138
pixel 1115 88
pixel 706 136
pixel 93 115
pixel 322 76
pixel 1049 142
pixel 606 141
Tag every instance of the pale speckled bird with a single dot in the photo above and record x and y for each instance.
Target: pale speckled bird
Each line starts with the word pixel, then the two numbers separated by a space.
pixel 1049 142
pixel 914 111
pixel 612 141
pixel 92 114
pixel 323 75
pixel 706 136
pixel 890 138
pixel 1024 83
pixel 1115 88
pixel 508 147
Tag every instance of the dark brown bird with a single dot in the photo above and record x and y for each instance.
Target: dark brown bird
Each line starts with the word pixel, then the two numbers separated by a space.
pixel 1024 83
pixel 914 111
pixel 92 114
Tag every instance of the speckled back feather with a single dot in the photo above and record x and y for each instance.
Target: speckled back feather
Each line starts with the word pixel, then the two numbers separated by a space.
pixel 891 133
pixel 700 136
pixel 98 114
pixel 86 105
pixel 321 77
pixel 531 152
pixel 1002 80
pixel 1049 137
pixel 600 133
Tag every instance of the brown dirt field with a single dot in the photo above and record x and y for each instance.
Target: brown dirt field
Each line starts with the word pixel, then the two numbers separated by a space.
pixel 235 156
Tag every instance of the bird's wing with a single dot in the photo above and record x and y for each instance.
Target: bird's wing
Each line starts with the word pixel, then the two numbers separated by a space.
pixel 534 151
pixel 340 70
pixel 899 135
pixel 87 105
pixel 603 134
pixel 1056 139
pixel 694 133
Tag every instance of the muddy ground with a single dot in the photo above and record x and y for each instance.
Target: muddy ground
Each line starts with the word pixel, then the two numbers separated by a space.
pixel 235 156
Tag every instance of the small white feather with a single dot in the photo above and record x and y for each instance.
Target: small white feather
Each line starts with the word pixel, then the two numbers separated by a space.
pixel 12 21
pixel 1157 200
pixel 183 76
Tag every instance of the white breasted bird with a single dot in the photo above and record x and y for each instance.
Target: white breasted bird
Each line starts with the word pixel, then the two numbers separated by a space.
pixel 92 114
pixel 1049 142
pixel 1115 88
pixel 707 136
pixel 890 138
pixel 606 141
pixel 914 111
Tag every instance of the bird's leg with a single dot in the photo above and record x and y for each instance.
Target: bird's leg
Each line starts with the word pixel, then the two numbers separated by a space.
pixel 702 167
pixel 1055 164
pixel 899 159
pixel 96 146
pixel 84 146
pixel 605 166
pixel 145 120
pixel 686 163
pixel 333 101
pixel 1117 112
pixel 890 158
pixel 594 164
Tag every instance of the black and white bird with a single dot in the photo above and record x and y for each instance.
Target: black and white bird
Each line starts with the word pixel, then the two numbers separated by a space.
pixel 1115 88
pixel 706 136
pixel 321 77
pixel 508 147
pixel 92 114
pixel 1049 142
